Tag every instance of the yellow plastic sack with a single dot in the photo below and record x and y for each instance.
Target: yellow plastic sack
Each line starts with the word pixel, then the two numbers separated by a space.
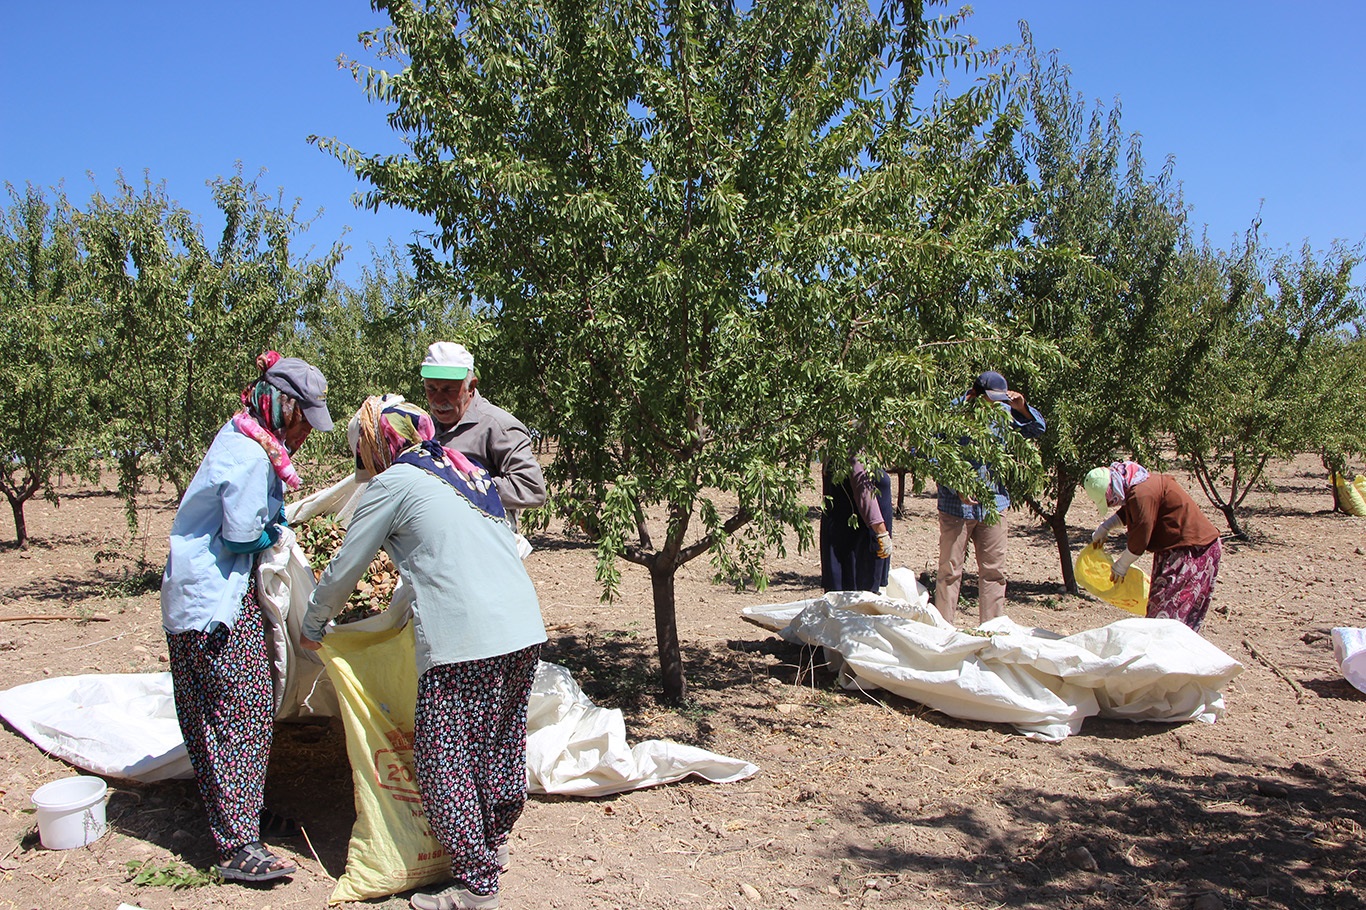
pixel 1351 496
pixel 1093 573
pixel 392 848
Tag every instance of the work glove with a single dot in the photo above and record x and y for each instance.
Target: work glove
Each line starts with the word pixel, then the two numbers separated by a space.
pixel 1121 566
pixel 884 546
pixel 273 526
pixel 1103 529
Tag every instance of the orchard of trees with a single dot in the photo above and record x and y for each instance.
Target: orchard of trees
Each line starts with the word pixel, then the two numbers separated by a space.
pixel 703 247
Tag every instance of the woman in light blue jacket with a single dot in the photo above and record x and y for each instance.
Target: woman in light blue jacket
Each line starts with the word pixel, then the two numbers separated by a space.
pixel 215 631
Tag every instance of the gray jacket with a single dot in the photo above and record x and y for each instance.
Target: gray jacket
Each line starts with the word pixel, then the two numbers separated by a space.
pixel 502 444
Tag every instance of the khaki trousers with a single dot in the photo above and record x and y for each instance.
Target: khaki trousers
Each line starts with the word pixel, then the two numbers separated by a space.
pixel 989 541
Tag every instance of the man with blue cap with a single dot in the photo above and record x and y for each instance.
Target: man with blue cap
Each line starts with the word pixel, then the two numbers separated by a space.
pixel 963 519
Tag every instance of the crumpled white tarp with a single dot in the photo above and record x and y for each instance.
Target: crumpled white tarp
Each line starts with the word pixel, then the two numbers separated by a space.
pixel 124 725
pixel 114 724
pixel 575 747
pixel 1043 684
pixel 1349 650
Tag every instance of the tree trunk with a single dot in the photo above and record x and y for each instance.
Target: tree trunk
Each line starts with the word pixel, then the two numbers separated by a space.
pixel 1337 500
pixel 1231 516
pixel 1058 523
pixel 666 632
pixel 20 527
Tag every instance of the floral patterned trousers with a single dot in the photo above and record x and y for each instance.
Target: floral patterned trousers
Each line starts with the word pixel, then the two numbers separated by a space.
pixel 1183 580
pixel 469 746
pixel 223 700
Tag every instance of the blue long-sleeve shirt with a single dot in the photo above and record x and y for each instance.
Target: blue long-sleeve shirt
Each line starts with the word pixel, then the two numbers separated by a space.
pixel 951 501
pixel 230 505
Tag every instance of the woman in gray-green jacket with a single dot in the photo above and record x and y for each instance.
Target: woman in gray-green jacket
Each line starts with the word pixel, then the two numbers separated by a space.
pixel 478 631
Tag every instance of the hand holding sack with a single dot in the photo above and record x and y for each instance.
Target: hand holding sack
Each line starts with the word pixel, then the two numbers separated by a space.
pixel 1121 566
pixel 1093 572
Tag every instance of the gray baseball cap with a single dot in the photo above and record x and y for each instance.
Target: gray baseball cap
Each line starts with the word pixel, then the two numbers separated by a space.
pixel 305 384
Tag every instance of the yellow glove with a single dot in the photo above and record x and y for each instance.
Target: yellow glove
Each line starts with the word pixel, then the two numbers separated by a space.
pixel 884 546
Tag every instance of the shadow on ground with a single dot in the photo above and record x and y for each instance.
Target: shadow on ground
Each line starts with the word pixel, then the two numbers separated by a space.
pixel 1288 836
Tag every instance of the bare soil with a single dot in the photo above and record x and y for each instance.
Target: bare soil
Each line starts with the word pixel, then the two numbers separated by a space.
pixel 859 802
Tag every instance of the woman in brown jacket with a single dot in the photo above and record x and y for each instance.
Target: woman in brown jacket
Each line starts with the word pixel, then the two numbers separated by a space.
pixel 1162 519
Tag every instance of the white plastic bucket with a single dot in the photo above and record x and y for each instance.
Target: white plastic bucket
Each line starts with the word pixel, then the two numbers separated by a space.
pixel 70 812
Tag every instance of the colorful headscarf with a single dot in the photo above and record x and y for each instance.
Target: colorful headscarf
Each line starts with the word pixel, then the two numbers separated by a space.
pixel 392 431
pixel 263 418
pixel 1123 476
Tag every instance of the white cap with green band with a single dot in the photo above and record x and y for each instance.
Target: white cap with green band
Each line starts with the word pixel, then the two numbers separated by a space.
pixel 447 360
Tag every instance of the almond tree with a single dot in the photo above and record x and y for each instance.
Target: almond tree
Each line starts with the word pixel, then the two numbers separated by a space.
pixel 1110 306
pixel 369 338
pixel 180 320
pixel 47 334
pixel 712 247
pixel 1341 373
pixel 1271 385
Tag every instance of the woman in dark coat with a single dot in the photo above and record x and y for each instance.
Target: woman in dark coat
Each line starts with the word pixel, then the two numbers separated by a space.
pixel 856 529
pixel 1160 518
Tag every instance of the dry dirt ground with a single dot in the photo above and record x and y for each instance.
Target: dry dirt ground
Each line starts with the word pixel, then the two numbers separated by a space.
pixel 858 802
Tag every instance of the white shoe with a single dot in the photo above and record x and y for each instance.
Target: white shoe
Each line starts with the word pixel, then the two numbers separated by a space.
pixel 502 857
pixel 454 898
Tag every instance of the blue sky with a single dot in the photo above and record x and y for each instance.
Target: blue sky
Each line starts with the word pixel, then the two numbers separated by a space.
pixel 1260 102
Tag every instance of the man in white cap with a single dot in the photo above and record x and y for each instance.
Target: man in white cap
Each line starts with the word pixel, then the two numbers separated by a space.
pixel 468 423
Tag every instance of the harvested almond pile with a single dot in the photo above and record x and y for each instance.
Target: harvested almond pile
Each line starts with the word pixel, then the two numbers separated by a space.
pixel 320 538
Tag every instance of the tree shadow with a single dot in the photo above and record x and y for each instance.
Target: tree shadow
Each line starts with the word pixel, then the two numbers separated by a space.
pixel 93 494
pixel 615 669
pixel 98 585
pixel 1335 688
pixel 1279 511
pixel 1029 591
pixel 54 542
pixel 307 760
pixel 1287 837
pixel 802 581
pixel 620 670
pixel 554 543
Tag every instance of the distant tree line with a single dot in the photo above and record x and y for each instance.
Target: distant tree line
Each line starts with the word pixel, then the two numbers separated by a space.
pixel 129 334
pixel 704 248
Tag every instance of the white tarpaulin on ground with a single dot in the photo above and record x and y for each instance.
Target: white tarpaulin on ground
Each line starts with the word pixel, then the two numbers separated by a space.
pixel 575 747
pixel 1349 649
pixel 1043 684
pixel 114 724
pixel 124 725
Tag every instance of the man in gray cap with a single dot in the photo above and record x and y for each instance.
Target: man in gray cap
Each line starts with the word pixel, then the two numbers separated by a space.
pixel 468 423
pixel 963 519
